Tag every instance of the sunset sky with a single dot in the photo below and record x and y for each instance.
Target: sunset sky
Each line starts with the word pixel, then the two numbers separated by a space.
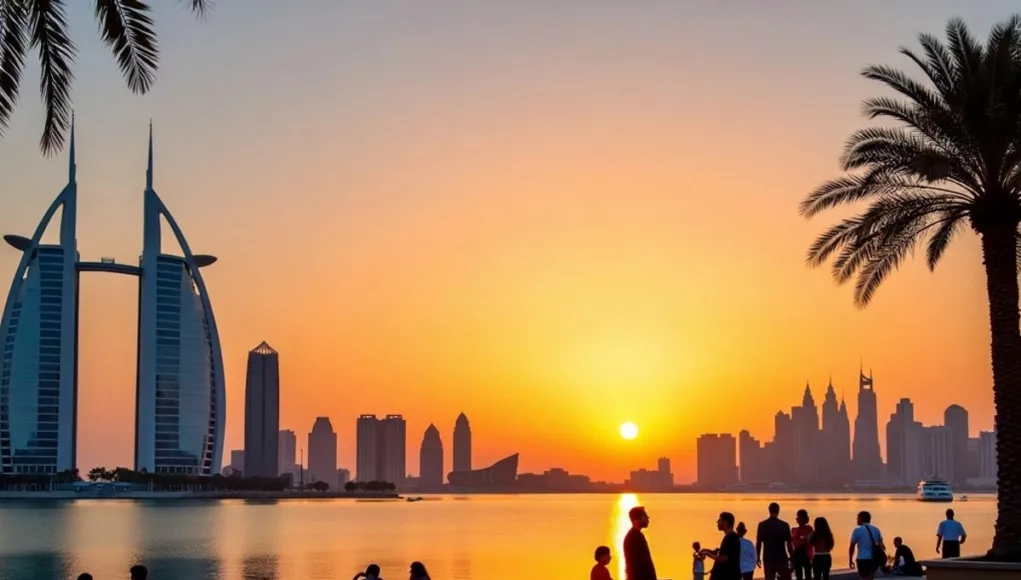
pixel 553 216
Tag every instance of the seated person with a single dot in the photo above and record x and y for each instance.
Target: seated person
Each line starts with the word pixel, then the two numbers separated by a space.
pixel 904 563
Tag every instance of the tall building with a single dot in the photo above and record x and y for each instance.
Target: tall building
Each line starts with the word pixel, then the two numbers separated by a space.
pixel 394 447
pixel 665 473
pixel 805 424
pixel 784 448
pixel 904 449
pixel 367 449
pixel 430 460
pixel 237 462
pixel 717 460
pixel 287 444
pixel 343 476
pixel 987 455
pixel 836 440
pixel 322 452
pixel 937 452
pixel 180 396
pixel 750 451
pixel 867 462
pixel 955 418
pixel 462 444
pixel 262 413
pixel 382 449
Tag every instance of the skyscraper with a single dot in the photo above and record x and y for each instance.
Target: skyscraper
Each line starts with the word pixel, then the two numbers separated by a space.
pixel 987 468
pixel 367 453
pixel 288 451
pixel 805 423
pixel 462 444
pixel 394 449
pixel 180 395
pixel 262 412
pixel 382 449
pixel 867 462
pixel 904 461
pixel 717 460
pixel 937 452
pixel 836 440
pixel 784 448
pixel 750 451
pixel 955 418
pixel 322 452
pixel 431 460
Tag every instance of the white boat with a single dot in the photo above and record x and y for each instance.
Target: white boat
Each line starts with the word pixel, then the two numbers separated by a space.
pixel 934 490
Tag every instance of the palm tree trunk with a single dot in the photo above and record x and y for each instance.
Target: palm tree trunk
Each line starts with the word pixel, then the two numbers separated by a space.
pixel 999 253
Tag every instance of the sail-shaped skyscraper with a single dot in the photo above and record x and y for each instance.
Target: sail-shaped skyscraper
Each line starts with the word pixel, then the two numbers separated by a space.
pixel 180 391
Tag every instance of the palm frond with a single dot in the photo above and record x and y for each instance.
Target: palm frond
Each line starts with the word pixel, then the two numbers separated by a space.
pixel 199 7
pixel 127 29
pixel 949 224
pixel 903 84
pixel 966 52
pixel 876 183
pixel 13 47
pixel 883 261
pixel 49 29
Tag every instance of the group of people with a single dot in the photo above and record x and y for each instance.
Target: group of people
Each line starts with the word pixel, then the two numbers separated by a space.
pixel 138 572
pixel 372 572
pixel 780 549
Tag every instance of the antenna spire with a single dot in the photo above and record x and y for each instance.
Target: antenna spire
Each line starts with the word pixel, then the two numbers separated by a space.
pixel 148 170
pixel 72 167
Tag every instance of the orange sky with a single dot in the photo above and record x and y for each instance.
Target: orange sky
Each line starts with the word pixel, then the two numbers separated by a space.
pixel 553 220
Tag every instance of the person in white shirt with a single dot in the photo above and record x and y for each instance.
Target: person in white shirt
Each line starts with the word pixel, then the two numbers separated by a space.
pixel 697 562
pixel 869 542
pixel 951 534
pixel 748 557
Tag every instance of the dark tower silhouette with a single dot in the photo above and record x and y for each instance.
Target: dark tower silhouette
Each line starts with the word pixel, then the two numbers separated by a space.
pixel 867 462
pixel 431 460
pixel 836 440
pixel 462 444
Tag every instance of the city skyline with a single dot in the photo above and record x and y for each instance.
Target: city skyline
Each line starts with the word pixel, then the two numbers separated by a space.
pixel 523 234
pixel 262 414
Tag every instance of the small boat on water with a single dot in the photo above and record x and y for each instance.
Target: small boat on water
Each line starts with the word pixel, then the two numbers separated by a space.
pixel 411 499
pixel 963 498
pixel 934 490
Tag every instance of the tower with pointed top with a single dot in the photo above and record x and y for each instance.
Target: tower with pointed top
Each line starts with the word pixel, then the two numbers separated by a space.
pixel 262 412
pixel 866 460
pixel 836 440
pixel 180 394
pixel 462 444
pixel 805 420
pixel 430 459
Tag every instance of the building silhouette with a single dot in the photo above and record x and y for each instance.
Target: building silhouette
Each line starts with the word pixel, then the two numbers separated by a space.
pixel 835 461
pixel 381 449
pixel 180 395
pixel 343 476
pixel 287 445
pixel 904 446
pixel 937 451
pixel 462 444
pixel 322 452
pixel 987 456
pixel 660 479
pixel 866 461
pixel 502 475
pixel 806 440
pixel 955 418
pixel 430 459
pixel 751 455
pixel 262 413
pixel 717 460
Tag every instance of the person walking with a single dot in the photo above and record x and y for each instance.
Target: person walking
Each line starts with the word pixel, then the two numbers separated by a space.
pixel 773 546
pixel 951 534
pixel 802 557
pixel 637 557
pixel 868 541
pixel 822 544
pixel 747 553
pixel 726 558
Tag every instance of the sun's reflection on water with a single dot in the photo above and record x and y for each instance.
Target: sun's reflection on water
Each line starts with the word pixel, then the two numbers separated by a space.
pixel 621 523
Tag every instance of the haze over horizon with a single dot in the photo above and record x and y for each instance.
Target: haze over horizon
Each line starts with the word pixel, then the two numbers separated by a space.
pixel 553 218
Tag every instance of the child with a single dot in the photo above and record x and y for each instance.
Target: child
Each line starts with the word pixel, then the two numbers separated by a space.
pixel 600 571
pixel 698 565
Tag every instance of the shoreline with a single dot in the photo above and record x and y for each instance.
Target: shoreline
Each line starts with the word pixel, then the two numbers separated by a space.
pixel 8 496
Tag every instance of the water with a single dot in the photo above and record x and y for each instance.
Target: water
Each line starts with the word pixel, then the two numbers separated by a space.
pixel 459 538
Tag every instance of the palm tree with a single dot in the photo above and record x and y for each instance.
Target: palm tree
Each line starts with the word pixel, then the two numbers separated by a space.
pixel 125 26
pixel 951 158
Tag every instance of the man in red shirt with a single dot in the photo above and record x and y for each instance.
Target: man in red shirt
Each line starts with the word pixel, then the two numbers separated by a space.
pixel 600 570
pixel 802 557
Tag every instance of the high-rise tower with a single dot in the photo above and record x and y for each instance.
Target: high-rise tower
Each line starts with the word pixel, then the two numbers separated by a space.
pixel 262 413
pixel 867 462
pixel 431 460
pixel 462 444
pixel 836 440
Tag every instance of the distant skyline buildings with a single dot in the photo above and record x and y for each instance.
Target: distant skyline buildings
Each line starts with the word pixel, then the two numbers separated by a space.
pixel 431 460
pixel 322 452
pixel 180 400
pixel 262 412
pixel 381 449
pixel 462 444
pixel 866 458
pixel 287 444
pixel 717 460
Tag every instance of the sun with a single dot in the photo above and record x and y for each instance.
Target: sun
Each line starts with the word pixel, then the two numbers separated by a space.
pixel 629 430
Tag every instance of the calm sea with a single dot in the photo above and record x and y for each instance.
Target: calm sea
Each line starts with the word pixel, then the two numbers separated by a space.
pixel 458 538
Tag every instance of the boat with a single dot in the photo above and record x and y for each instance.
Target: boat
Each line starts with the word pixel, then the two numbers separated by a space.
pixel 934 490
pixel 963 498
pixel 411 499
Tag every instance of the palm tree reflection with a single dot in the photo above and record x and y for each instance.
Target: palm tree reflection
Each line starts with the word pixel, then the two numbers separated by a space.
pixel 621 523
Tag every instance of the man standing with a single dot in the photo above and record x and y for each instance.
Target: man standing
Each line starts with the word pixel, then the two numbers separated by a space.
pixel 951 534
pixel 727 558
pixel 871 552
pixel 775 535
pixel 637 558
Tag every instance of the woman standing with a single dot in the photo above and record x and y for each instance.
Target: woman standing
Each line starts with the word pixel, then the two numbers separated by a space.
pixel 821 540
